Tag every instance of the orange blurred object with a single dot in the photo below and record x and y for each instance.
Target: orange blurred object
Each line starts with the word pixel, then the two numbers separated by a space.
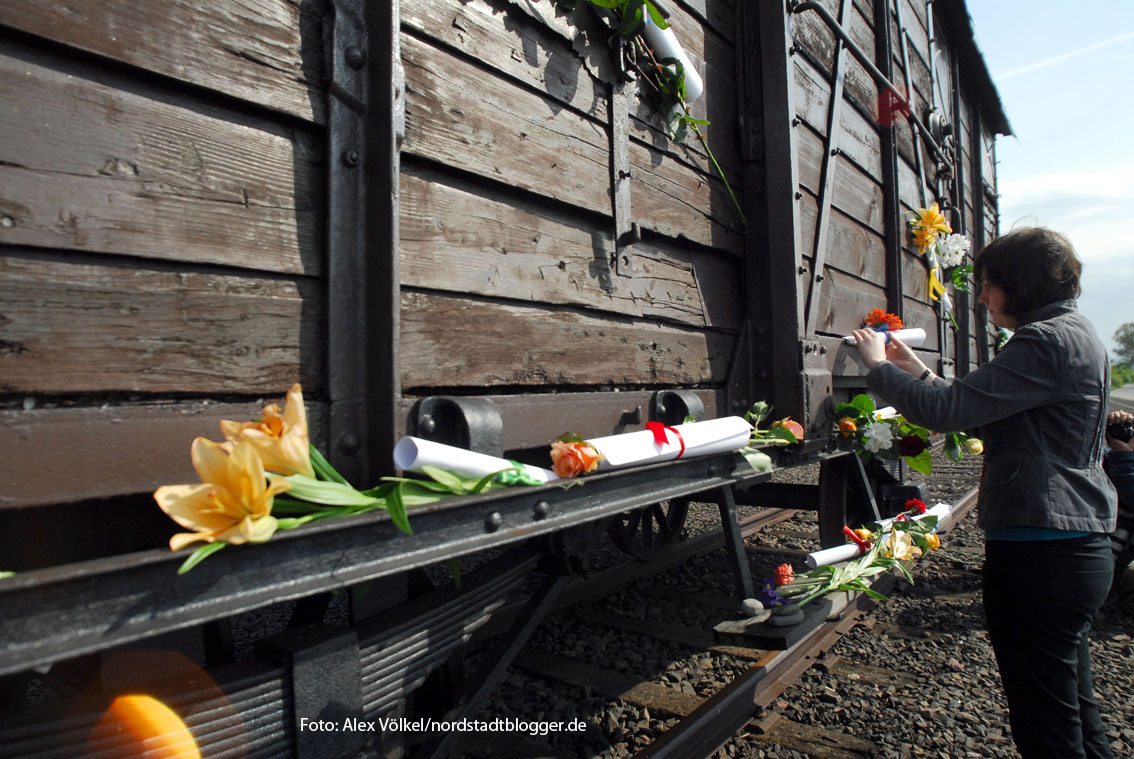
pixel 147 728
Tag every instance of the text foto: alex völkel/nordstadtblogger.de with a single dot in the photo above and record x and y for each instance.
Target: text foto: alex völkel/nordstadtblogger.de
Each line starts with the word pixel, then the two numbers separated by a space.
pixel 422 725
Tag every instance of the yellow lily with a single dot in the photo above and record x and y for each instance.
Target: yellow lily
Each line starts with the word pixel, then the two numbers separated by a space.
pixel 233 503
pixel 280 439
pixel 899 545
pixel 931 219
pixel 924 238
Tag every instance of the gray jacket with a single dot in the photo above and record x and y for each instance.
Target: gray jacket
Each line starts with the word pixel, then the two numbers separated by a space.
pixel 1040 406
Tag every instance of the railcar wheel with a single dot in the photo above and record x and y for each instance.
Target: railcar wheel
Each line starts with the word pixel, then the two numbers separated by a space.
pixel 648 532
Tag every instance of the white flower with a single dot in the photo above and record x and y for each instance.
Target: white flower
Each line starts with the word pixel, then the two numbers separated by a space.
pixel 878 437
pixel 951 250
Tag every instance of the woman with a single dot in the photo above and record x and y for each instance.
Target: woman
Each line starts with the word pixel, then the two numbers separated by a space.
pixel 1045 503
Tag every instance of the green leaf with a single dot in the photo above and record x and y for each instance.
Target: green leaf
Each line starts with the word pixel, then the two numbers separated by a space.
pixel 923 462
pixel 7 574
pixel 758 460
pixel 282 505
pixel 455 572
pixel 454 483
pixel 864 403
pixel 782 433
pixel 656 16
pixel 570 437
pixel 330 493
pixel 200 555
pixel 396 506
pixel 323 467
pixel 953 447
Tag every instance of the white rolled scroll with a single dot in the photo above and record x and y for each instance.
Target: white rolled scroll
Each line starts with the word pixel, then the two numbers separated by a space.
pixel 665 45
pixel 912 337
pixel 729 433
pixel 835 554
pixel 413 453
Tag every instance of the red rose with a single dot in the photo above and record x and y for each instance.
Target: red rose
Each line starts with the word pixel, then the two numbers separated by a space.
pixel 916 504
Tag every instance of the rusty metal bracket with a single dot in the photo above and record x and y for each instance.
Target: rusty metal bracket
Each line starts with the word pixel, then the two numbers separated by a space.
pixel 471 423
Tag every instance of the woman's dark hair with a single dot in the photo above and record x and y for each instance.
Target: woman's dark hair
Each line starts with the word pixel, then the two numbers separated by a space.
pixel 1033 267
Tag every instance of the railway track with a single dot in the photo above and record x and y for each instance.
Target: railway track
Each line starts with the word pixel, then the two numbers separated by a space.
pixel 630 657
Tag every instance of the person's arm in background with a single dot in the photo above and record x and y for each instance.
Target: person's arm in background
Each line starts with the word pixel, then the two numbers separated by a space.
pixel 1119 462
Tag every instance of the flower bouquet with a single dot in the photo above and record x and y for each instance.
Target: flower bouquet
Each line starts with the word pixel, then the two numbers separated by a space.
pixel 883 548
pixel 889 435
pixel 267 476
pixel 943 251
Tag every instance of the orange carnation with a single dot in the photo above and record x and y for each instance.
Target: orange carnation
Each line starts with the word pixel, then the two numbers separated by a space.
pixel 573 459
pixel 879 318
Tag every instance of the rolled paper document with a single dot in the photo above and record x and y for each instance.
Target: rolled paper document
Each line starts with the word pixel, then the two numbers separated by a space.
pixel 665 45
pixel 912 337
pixel 835 554
pixel 413 453
pixel 662 443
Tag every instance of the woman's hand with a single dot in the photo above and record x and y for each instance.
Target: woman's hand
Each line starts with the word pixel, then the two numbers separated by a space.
pixel 905 359
pixel 871 347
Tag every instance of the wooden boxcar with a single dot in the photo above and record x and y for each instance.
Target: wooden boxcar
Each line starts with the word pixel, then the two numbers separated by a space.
pixel 453 218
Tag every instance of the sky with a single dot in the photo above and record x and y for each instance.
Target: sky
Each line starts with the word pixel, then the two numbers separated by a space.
pixel 1064 74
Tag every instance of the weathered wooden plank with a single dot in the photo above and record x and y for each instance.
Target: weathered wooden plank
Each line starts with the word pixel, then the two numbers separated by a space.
pixel 844 301
pixel 517 46
pixel 817 42
pixel 458 342
pixel 90 328
pixel 85 166
pixel 855 193
pixel 268 52
pixel 467 118
pixel 60 455
pixel 857 137
pixel 457 240
pixel 853 248
pixel 670 198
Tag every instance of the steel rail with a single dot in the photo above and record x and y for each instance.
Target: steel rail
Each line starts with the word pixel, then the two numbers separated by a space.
pixel 862 58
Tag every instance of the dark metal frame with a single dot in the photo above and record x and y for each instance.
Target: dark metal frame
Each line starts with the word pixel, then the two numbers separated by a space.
pixel 54 614
pixel 365 124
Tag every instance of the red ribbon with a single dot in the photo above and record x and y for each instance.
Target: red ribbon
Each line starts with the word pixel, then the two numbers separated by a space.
pixel 863 545
pixel 659 431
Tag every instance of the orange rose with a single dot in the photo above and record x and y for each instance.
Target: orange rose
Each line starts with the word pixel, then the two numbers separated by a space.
pixel 573 459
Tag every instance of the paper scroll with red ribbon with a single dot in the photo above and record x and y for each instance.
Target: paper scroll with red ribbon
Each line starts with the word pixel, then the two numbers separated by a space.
pixel 659 442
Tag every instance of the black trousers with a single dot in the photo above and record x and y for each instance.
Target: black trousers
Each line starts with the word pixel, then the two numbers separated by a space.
pixel 1039 599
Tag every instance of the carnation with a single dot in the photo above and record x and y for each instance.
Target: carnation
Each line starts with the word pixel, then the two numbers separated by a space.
pixel 878 437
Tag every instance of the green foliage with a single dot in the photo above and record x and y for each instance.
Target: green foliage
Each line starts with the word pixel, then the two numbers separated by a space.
pixel 1124 336
pixel 627 19
pixel 960 276
pixel 1121 374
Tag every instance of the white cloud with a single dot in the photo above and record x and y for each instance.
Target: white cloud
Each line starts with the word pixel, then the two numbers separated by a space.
pixel 1065 56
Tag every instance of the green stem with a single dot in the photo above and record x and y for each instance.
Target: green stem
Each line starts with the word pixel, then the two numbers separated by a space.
pixel 689 120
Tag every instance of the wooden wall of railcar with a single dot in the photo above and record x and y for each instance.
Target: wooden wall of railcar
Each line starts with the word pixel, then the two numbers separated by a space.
pixel 162 203
pixel 163 234
pixel 843 184
pixel 525 159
